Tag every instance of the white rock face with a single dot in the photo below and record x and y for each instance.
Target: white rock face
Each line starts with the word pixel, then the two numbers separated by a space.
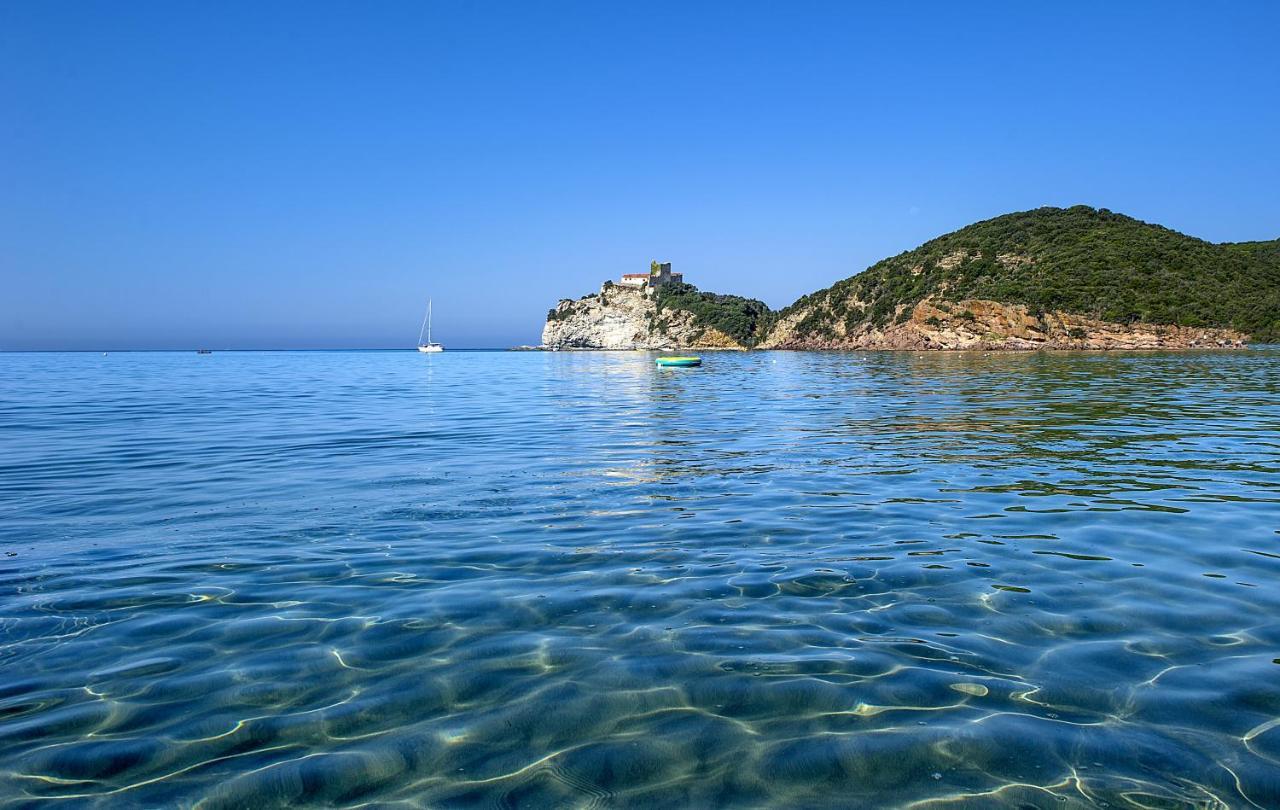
pixel 625 318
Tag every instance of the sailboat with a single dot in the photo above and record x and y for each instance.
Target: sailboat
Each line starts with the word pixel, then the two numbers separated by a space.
pixel 426 324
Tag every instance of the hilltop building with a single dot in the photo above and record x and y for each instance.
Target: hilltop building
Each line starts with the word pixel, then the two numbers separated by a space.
pixel 658 275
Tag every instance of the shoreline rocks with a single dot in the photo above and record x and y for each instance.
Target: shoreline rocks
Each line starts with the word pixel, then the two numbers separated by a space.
pixel 627 319
pixel 982 325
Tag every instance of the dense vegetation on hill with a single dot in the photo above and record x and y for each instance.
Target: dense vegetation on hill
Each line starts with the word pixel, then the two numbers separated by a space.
pixel 746 320
pixel 1081 260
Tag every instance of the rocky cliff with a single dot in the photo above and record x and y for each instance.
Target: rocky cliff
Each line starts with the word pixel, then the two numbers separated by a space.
pixel 628 318
pixel 990 325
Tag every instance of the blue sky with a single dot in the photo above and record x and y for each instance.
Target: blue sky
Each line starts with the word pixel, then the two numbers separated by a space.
pixel 305 174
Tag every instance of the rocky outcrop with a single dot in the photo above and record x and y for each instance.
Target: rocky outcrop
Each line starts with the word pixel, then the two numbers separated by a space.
pixel 627 318
pixel 987 325
pixel 1050 278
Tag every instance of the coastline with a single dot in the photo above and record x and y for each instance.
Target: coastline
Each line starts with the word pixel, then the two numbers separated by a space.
pixel 906 349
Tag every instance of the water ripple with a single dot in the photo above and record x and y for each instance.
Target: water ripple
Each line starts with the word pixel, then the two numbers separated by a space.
pixel 544 580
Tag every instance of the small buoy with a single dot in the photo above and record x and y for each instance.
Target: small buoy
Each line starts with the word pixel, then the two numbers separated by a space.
pixel 683 362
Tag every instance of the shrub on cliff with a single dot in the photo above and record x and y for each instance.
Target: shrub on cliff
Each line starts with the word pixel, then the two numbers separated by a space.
pixel 746 320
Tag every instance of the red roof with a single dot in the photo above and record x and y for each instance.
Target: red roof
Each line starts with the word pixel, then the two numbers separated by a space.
pixel 635 275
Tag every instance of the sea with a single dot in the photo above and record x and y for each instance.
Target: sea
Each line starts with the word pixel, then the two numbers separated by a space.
pixel 578 580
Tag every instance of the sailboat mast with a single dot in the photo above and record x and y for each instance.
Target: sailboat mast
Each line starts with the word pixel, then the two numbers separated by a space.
pixel 428 320
pixel 424 322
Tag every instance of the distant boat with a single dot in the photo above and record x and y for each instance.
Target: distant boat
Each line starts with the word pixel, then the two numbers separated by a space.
pixel 679 362
pixel 426 324
pixel 204 351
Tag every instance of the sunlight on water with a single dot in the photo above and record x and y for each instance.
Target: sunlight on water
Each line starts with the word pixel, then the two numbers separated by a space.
pixel 577 580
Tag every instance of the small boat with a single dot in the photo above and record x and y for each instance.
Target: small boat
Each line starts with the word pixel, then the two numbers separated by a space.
pixel 204 351
pixel 680 362
pixel 428 346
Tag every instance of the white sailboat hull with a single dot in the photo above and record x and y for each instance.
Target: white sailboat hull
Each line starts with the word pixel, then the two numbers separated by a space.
pixel 431 347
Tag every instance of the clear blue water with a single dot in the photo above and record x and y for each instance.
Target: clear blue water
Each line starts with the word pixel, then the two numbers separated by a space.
pixel 576 580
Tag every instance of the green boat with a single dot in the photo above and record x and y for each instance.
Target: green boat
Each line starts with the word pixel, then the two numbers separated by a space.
pixel 679 361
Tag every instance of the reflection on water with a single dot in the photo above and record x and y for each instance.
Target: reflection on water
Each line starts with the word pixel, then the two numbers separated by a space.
pixel 546 580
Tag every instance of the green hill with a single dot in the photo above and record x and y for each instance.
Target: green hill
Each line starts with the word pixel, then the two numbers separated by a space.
pixel 1077 260
pixel 746 320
